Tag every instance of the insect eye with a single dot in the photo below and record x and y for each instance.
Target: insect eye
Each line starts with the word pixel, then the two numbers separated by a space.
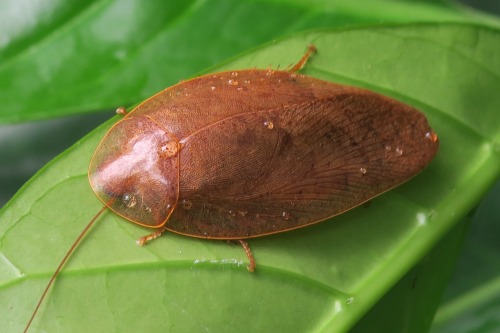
pixel 129 200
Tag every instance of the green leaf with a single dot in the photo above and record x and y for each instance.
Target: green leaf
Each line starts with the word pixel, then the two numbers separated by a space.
pixel 321 278
pixel 58 58
pixel 472 300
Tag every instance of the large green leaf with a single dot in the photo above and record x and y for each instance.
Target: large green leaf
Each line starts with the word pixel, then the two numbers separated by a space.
pixel 320 278
pixel 58 58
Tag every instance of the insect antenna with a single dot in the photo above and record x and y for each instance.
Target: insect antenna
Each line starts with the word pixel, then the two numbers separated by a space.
pixel 63 261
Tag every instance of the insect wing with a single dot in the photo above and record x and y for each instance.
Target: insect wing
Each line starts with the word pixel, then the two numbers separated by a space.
pixel 270 171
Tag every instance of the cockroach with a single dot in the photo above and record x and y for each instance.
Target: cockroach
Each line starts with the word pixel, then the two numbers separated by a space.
pixel 248 153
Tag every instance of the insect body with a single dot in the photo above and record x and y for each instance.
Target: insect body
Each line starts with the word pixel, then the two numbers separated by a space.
pixel 247 153
pixel 242 154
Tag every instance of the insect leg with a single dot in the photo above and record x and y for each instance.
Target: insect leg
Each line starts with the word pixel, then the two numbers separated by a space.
pixel 251 266
pixel 299 65
pixel 144 239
